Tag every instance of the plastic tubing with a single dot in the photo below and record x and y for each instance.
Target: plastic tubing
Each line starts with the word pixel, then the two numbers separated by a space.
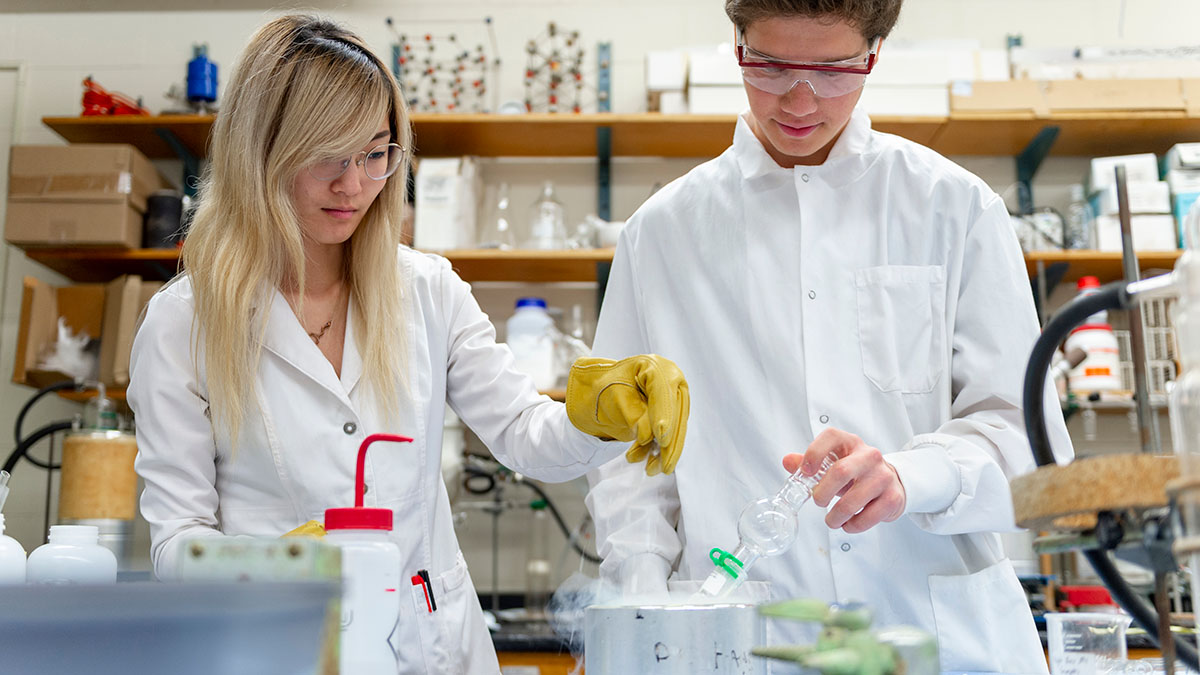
pixel 1110 296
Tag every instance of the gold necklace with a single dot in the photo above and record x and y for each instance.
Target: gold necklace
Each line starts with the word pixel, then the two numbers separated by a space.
pixel 316 337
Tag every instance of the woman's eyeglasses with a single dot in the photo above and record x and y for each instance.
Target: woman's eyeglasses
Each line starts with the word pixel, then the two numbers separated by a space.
pixel 378 163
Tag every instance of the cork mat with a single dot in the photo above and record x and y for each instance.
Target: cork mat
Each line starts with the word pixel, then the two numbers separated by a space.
pixel 1067 498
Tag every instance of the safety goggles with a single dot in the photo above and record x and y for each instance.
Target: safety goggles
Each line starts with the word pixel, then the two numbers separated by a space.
pixel 378 163
pixel 826 80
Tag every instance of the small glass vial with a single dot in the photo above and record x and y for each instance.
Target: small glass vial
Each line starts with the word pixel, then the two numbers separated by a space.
pixel 12 559
pixel 72 556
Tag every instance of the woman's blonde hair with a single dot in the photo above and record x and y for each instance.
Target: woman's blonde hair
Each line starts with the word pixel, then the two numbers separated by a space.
pixel 304 89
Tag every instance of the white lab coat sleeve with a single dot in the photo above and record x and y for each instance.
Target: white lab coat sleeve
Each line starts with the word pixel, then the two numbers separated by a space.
pixel 525 430
pixel 176 456
pixel 956 479
pixel 635 515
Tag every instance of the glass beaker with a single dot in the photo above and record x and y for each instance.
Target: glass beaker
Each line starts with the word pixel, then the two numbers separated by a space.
pixel 1082 643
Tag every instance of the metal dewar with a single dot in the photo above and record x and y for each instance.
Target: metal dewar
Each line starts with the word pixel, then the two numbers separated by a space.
pixel 673 639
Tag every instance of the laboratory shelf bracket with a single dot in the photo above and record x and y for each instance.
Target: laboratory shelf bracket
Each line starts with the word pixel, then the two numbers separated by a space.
pixel 191 163
pixel 1028 163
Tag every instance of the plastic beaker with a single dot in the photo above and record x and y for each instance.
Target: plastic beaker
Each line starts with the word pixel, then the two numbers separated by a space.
pixel 1085 642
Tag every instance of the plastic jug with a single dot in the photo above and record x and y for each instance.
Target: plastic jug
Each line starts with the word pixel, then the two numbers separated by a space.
pixel 370 577
pixel 531 338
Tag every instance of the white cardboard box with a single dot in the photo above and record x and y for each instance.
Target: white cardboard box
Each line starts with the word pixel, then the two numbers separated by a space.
pixel 445 208
pixel 1144 197
pixel 1152 232
pixel 713 66
pixel 1138 168
pixel 666 70
pixel 908 99
pixel 1183 181
pixel 714 100
pixel 1184 156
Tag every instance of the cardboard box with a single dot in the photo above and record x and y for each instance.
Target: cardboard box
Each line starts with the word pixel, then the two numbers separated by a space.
pixel 1183 181
pixel 1144 197
pixel 717 100
pixel 1150 233
pixel 1117 95
pixel 1012 96
pixel 909 99
pixel 1138 168
pixel 107 312
pixel 86 194
pixel 1183 156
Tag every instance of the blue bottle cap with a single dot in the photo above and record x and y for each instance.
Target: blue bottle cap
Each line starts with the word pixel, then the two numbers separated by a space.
pixel 531 302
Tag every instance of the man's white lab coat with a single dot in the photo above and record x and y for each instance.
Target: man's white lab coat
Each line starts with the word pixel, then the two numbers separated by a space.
pixel 296 455
pixel 882 293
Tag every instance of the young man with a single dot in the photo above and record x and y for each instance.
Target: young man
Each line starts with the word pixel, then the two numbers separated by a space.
pixel 829 289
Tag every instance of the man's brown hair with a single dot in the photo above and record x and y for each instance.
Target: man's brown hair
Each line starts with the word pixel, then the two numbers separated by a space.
pixel 872 18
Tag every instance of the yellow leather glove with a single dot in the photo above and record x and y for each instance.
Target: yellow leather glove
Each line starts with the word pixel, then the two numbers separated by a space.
pixel 642 399
pixel 310 529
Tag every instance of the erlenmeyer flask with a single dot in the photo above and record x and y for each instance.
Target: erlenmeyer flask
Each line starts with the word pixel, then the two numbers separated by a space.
pixel 498 229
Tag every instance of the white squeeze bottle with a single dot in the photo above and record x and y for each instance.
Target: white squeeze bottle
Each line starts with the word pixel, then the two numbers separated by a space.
pixel 72 556
pixel 529 334
pixel 371 585
pixel 12 558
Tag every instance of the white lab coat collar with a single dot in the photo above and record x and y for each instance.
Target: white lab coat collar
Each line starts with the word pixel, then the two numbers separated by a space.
pixel 288 340
pixel 847 160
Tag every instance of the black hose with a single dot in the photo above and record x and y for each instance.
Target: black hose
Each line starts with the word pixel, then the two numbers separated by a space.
pixel 562 524
pixel 22 448
pixel 1109 296
pixel 57 386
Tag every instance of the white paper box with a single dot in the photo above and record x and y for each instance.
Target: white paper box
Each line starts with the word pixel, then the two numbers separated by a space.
pixel 445 209
pixel 666 70
pixel 1150 233
pixel 1144 197
pixel 727 100
pixel 1184 156
pixel 713 66
pixel 886 99
pixel 1138 168
pixel 1183 182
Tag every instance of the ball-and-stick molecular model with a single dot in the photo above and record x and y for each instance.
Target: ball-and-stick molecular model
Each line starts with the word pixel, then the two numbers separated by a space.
pixel 438 74
pixel 554 72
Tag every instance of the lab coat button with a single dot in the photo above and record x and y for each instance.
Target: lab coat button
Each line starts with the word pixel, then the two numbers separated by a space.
pixel 349 428
pixel 824 419
pixel 845 547
pixel 804 177
pixel 812 295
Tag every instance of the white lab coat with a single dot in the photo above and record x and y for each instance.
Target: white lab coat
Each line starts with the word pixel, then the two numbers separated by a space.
pixel 296 457
pixel 882 293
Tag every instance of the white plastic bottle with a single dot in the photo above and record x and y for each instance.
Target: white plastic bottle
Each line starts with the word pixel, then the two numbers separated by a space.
pixel 72 556
pixel 530 336
pixel 371 588
pixel 12 558
pixel 1101 369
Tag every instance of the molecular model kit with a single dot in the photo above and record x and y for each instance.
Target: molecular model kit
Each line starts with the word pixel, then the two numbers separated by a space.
pixel 437 73
pixel 554 78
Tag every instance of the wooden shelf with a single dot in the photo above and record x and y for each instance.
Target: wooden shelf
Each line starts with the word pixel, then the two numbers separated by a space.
pixel 104 264
pixel 693 136
pixel 1105 265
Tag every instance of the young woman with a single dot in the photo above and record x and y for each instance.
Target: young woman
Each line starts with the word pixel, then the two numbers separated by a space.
pixel 301 325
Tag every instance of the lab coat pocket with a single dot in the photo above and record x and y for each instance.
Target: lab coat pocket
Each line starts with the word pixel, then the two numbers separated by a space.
pixel 984 623
pixel 468 644
pixel 901 326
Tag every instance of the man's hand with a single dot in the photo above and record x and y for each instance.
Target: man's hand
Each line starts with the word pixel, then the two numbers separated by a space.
pixel 869 488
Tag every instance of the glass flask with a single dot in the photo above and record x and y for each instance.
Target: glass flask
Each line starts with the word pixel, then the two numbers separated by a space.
pixel 767 527
pixel 547 225
pixel 498 230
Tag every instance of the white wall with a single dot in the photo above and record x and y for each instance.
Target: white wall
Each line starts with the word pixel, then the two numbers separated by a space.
pixel 141 47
